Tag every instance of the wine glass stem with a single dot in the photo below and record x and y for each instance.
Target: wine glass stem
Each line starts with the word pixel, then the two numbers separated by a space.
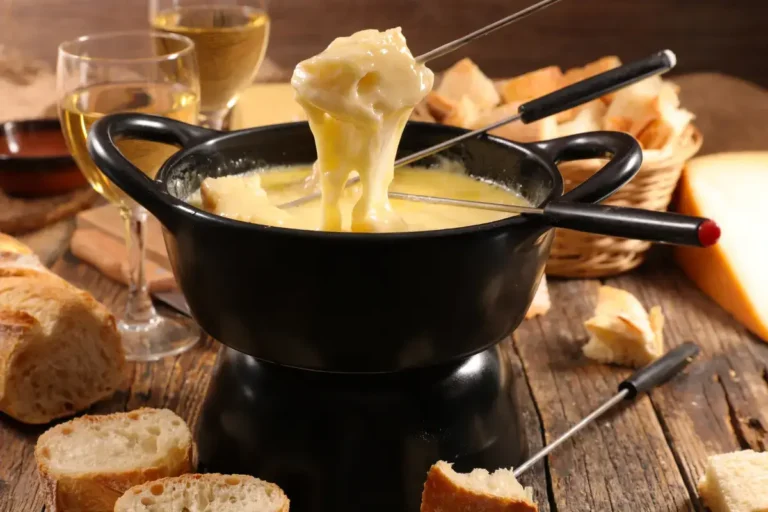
pixel 139 310
pixel 216 120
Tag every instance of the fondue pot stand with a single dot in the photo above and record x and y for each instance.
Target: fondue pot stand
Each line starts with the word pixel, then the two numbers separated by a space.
pixel 354 361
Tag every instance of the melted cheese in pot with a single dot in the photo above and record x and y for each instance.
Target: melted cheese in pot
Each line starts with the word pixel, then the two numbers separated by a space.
pixel 358 94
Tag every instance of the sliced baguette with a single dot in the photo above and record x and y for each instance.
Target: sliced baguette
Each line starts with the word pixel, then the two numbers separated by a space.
pixel 533 84
pixel 87 463
pixel 204 493
pixel 517 131
pixel 479 491
pixel 736 482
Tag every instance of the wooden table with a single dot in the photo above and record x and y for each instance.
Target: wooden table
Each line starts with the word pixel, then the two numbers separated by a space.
pixel 647 456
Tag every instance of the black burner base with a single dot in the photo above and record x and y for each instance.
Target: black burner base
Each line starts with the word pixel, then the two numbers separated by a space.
pixel 351 443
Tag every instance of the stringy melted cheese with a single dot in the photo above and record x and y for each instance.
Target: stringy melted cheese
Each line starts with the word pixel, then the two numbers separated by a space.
pixel 358 94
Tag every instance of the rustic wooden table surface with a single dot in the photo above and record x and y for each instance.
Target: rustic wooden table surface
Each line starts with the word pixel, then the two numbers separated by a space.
pixel 643 457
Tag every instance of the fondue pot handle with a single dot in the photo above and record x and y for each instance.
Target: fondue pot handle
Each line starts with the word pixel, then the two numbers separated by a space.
pixel 111 128
pixel 570 212
pixel 626 158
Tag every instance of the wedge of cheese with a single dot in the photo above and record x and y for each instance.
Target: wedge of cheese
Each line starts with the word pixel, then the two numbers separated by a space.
pixel 265 104
pixel 730 188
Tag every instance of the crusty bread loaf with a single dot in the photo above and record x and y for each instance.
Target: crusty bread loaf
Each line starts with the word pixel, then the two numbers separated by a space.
pixel 478 491
pixel 87 463
pixel 205 493
pixel 59 348
pixel 736 482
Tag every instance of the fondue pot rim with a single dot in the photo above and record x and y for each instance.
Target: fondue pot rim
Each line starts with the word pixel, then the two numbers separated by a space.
pixel 219 137
pixel 153 194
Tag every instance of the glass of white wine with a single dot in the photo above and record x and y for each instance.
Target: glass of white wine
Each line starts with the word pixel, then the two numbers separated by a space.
pixel 137 71
pixel 230 38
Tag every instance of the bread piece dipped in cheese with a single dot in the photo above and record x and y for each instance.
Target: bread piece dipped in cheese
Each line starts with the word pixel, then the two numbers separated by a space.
pixel 478 491
pixel 210 492
pixel 730 189
pixel 87 463
pixel 736 482
pixel 621 332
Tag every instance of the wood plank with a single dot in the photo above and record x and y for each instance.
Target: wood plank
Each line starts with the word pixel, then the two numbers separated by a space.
pixel 178 383
pixel 621 462
pixel 720 407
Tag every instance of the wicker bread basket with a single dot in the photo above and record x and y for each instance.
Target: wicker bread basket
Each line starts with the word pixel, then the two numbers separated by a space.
pixel 576 254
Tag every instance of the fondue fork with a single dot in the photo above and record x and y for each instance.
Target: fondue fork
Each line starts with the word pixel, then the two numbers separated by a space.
pixel 545 106
pixel 477 34
pixel 639 382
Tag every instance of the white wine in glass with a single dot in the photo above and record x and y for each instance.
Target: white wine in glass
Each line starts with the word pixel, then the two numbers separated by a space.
pixel 230 41
pixel 137 71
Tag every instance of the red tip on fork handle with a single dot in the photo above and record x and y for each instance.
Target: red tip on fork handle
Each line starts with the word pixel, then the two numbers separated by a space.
pixel 709 233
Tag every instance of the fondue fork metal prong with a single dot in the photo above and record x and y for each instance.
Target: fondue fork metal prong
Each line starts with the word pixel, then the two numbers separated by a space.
pixel 477 34
pixel 643 380
pixel 563 99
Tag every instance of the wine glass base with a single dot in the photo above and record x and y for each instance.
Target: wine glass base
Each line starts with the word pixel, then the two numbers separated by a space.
pixel 161 337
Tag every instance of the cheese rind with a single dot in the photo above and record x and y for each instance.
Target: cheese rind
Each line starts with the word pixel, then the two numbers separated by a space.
pixel 729 188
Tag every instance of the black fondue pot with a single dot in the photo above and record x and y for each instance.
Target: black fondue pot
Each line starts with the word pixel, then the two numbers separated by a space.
pixel 354 302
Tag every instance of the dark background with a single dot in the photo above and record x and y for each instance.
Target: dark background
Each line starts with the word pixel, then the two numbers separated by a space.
pixel 708 35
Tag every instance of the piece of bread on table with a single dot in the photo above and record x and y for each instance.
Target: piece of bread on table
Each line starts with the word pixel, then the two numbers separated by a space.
pixel 533 84
pixel 478 491
pixel 465 79
pixel 622 332
pixel 205 493
pixel 736 482
pixel 517 131
pixel 87 463
pixel 60 350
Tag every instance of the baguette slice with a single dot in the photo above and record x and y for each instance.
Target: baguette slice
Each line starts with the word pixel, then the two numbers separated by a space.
pixel 533 84
pixel 622 332
pixel 205 493
pixel 87 463
pixel 736 482
pixel 479 491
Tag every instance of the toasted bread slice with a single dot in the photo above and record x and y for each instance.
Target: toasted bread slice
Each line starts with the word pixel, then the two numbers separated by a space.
pixel 439 106
pixel 736 482
pixel 479 491
pixel 538 130
pixel 465 79
pixel 204 493
pixel 633 107
pixel 533 84
pixel 670 121
pixel 465 114
pixel 577 74
pixel 89 462
pixel 589 119
pixel 621 332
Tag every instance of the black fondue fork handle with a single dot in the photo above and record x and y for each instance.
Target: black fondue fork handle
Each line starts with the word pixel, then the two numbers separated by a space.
pixel 634 223
pixel 597 86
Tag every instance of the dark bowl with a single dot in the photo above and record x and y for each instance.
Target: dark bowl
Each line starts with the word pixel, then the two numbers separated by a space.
pixel 353 302
pixel 35 160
